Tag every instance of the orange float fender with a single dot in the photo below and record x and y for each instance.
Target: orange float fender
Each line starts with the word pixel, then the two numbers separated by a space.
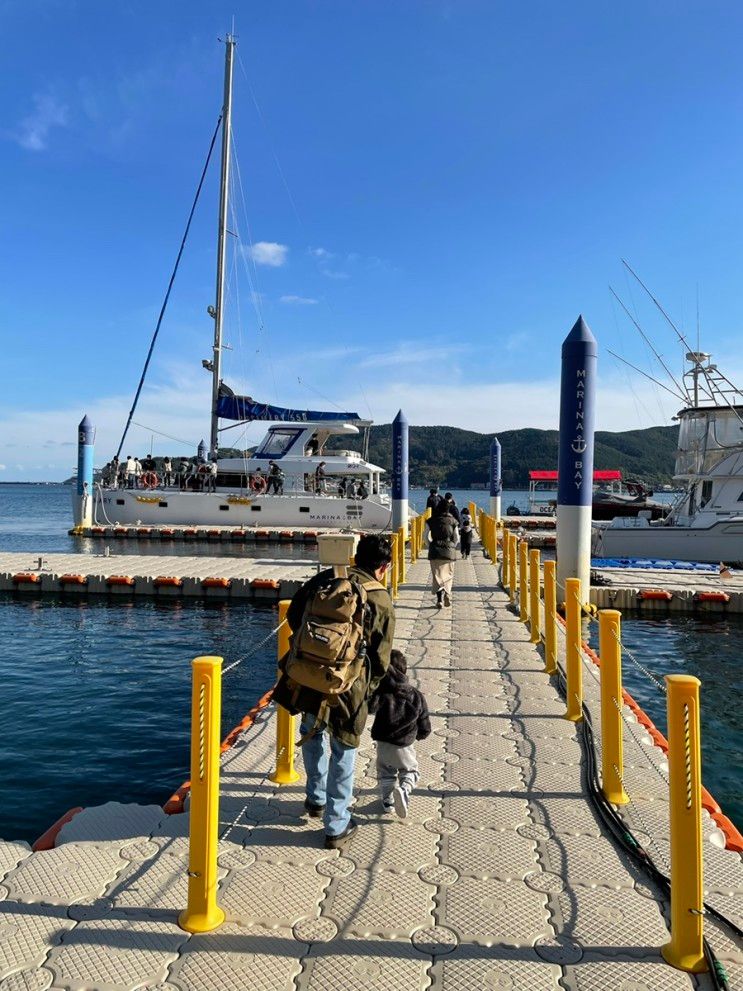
pixel 73 580
pixel 216 582
pixel 46 840
pixel 26 578
pixel 214 533
pixel 175 804
pixel 237 535
pixel 655 595
pixel 286 535
pixel 190 531
pixel 262 534
pixel 166 532
pixel 98 531
pixel 258 484
pixel 119 580
pixel 168 581
pixel 265 583
pixel 711 597
pixel 733 837
pixel 144 530
pixel 121 531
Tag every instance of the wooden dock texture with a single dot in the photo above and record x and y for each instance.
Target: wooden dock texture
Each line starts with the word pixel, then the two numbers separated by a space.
pixel 503 877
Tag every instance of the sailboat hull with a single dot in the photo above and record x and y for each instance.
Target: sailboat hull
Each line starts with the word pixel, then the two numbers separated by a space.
pixel 723 541
pixel 170 507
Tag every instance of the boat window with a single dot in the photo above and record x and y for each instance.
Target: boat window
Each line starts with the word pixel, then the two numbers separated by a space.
pixel 162 505
pixel 121 502
pixel 740 497
pixel 706 494
pixel 255 509
pixel 224 508
pixel 278 442
pixel 306 509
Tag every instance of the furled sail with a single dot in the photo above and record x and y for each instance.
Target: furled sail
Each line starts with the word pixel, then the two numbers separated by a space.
pixel 231 407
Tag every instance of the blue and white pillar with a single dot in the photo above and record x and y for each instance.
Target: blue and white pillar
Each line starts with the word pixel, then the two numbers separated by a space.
pixel 83 501
pixel 495 479
pixel 201 451
pixel 400 472
pixel 575 459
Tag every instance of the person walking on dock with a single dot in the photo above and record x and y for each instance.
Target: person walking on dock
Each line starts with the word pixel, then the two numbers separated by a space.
pixel 442 552
pixel 465 533
pixel 329 788
pixel 434 498
pixel 452 506
pixel 400 718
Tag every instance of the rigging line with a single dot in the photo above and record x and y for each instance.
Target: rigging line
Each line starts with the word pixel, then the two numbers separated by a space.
pixel 178 440
pixel 170 286
pixel 317 392
pixel 648 342
pixel 630 386
pixel 657 382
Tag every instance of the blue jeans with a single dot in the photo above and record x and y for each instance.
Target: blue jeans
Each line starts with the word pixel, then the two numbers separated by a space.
pixel 329 777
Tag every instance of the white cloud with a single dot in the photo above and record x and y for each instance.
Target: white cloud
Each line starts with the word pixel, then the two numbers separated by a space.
pixel 299 300
pixel 268 253
pixel 321 253
pixel 411 353
pixel 33 130
pixel 2 467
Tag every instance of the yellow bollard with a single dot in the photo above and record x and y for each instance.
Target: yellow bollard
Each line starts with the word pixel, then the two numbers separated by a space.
pixel 203 914
pixel 285 723
pixel 573 658
pixel 395 568
pixel 685 949
pixel 494 540
pixel 400 556
pixel 504 579
pixel 612 744
pixel 512 567
pixel 524 581
pixel 550 617
pixel 534 583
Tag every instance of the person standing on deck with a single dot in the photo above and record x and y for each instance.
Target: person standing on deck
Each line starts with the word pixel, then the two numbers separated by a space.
pixel 138 473
pixel 167 472
pixel 329 788
pixel 131 472
pixel 442 552
pixel 211 477
pixel 320 478
pixel 275 479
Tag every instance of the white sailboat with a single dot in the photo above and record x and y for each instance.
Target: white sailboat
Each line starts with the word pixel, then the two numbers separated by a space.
pixel 347 491
pixel 706 522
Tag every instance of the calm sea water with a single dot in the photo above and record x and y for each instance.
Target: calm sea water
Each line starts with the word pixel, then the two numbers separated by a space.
pixel 96 694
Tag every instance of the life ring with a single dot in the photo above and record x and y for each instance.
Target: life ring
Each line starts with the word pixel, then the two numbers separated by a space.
pixel 149 480
pixel 258 484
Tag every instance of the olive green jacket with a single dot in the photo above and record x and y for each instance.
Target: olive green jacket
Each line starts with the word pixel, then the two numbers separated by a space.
pixel 348 718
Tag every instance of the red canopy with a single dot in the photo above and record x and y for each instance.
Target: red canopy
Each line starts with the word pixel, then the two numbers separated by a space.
pixel 598 476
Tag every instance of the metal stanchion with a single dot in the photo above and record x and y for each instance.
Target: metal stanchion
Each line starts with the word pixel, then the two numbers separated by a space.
pixel 550 617
pixel 534 598
pixel 285 773
pixel 612 725
pixel 685 949
pixel 573 660
pixel 203 914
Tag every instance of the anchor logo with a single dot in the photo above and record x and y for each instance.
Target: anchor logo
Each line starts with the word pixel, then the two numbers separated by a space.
pixel 578 445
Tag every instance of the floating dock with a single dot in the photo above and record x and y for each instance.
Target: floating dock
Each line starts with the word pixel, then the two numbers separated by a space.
pixel 238 535
pixel 502 877
pixel 667 590
pixel 200 576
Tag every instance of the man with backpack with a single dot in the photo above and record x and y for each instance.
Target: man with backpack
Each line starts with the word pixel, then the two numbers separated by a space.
pixel 342 632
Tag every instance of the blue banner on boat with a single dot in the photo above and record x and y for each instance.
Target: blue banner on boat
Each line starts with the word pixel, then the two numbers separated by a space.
pixel 245 408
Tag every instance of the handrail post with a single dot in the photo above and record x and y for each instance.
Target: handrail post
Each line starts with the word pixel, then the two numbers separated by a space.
pixel 534 583
pixel 524 581
pixel 550 617
pixel 506 559
pixel 494 540
pixel 395 569
pixel 573 659
pixel 285 774
pixel 401 551
pixel 612 744
pixel 202 913
pixel 512 567
pixel 685 949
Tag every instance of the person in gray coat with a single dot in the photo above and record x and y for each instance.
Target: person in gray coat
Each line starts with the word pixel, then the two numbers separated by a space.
pixel 443 536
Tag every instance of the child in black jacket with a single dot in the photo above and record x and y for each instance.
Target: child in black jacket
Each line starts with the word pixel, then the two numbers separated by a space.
pixel 401 718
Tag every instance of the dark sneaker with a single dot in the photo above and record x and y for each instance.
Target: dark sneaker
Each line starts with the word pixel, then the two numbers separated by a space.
pixel 333 842
pixel 312 810
pixel 447 599
pixel 400 799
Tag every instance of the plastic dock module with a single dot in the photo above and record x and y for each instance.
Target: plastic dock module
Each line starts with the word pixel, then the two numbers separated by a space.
pixel 502 876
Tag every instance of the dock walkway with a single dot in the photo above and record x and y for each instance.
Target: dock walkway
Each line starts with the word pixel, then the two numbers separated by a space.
pixel 501 878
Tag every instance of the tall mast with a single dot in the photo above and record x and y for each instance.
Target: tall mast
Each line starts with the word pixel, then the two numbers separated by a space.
pixel 222 240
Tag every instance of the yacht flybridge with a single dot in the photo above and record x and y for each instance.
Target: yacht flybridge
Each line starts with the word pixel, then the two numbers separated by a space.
pixel 706 522
pixel 313 483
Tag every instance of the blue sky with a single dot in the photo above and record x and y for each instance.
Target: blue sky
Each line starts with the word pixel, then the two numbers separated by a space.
pixel 433 192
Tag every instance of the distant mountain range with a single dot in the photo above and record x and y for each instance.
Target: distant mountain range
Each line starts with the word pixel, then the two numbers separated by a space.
pixel 459 458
